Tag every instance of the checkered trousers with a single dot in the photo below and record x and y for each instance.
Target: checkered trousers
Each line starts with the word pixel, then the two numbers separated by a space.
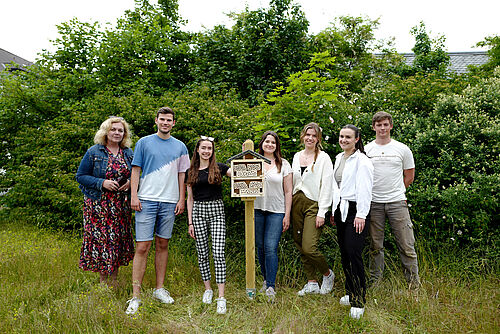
pixel 208 218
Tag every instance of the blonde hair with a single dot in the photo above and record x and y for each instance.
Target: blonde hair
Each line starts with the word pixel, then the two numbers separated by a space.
pixel 101 137
pixel 319 132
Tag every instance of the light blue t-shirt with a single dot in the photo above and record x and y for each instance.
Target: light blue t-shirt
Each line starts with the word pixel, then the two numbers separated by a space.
pixel 161 160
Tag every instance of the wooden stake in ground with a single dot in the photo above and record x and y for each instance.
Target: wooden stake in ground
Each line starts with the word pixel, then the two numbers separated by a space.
pixel 247 182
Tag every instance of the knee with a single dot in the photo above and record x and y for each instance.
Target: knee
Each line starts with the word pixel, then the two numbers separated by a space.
pixel 309 249
pixel 161 244
pixel 142 248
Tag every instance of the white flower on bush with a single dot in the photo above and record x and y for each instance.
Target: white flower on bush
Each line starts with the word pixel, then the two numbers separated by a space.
pixel 459 232
pixel 327 137
pixel 294 140
pixel 331 119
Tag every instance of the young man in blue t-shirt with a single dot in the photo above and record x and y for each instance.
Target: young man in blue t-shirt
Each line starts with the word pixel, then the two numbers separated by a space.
pixel 157 195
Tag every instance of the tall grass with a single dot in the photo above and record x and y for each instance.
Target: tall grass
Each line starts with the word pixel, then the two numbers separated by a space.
pixel 43 291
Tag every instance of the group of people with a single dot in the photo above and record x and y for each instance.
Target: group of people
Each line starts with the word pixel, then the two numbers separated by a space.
pixel 362 188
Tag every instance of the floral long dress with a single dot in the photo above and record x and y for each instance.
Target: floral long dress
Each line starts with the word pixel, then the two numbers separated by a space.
pixel 107 233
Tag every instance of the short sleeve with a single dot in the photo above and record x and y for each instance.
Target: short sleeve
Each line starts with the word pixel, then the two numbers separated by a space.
pixel 285 168
pixel 138 152
pixel 408 161
pixel 223 168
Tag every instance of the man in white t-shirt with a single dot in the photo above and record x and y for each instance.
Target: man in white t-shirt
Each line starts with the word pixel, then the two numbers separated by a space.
pixel 393 174
pixel 157 196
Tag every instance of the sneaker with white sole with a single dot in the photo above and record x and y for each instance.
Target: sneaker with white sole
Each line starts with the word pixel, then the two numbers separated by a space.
pixel 327 284
pixel 221 305
pixel 345 301
pixel 270 293
pixel 264 287
pixel 207 296
pixel 163 295
pixel 133 305
pixel 357 312
pixel 310 287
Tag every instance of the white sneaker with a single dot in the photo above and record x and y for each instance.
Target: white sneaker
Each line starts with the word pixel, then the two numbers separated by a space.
pixel 207 296
pixel 327 284
pixel 310 287
pixel 163 295
pixel 221 305
pixel 270 293
pixel 264 287
pixel 133 305
pixel 345 300
pixel 357 312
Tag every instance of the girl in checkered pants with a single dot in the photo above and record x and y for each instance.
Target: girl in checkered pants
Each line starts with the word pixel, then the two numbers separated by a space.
pixel 206 215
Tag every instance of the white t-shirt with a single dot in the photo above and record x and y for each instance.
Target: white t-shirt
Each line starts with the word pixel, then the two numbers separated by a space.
pixel 389 162
pixel 274 199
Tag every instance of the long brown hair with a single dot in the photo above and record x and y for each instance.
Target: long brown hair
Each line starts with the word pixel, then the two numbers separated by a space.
pixel 277 152
pixel 214 176
pixel 318 147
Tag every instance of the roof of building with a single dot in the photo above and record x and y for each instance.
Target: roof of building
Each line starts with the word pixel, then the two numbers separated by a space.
pixel 6 58
pixel 459 61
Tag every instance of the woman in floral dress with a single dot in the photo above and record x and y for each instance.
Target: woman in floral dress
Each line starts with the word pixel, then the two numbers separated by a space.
pixel 104 178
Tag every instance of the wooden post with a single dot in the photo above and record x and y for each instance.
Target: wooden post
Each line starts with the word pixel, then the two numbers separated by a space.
pixel 249 237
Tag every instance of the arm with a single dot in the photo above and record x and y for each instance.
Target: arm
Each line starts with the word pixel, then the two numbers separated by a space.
pixel 84 175
pixel 135 203
pixel 190 203
pixel 181 205
pixel 364 185
pixel 408 176
pixel 325 197
pixel 287 189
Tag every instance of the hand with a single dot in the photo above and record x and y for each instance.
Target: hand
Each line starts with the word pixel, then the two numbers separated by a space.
pixel 332 220
pixel 135 203
pixel 110 185
pixel 359 224
pixel 179 208
pixel 125 187
pixel 319 221
pixel 191 231
pixel 286 223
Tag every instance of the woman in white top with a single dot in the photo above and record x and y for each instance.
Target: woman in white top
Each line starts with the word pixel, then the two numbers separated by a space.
pixel 352 193
pixel 312 197
pixel 272 212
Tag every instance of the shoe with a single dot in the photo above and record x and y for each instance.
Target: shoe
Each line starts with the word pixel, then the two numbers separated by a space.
pixel 207 296
pixel 345 301
pixel 163 295
pixel 264 287
pixel 357 312
pixel 133 305
pixel 327 284
pixel 270 293
pixel 221 305
pixel 310 287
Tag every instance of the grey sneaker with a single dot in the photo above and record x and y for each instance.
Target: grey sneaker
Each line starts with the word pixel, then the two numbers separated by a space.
pixel 310 287
pixel 357 312
pixel 327 284
pixel 221 305
pixel 163 295
pixel 270 293
pixel 264 287
pixel 207 296
pixel 345 300
pixel 133 305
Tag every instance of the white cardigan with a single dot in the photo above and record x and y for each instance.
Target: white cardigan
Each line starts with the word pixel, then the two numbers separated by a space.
pixel 315 183
pixel 356 185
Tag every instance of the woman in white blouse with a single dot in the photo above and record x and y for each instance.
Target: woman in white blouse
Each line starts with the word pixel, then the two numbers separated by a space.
pixel 272 212
pixel 352 193
pixel 312 197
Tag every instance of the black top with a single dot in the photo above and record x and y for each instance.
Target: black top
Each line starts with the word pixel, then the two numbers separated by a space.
pixel 204 191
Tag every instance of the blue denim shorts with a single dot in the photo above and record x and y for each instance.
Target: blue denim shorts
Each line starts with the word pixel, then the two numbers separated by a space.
pixel 154 218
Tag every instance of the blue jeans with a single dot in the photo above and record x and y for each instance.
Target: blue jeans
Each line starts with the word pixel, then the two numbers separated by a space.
pixel 268 228
pixel 154 218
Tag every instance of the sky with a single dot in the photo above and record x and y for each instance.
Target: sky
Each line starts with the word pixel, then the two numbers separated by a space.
pixel 27 26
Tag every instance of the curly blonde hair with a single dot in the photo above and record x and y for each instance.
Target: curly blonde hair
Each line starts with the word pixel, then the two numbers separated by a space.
pixel 101 137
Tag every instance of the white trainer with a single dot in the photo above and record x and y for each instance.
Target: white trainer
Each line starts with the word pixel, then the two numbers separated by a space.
pixel 327 284
pixel 133 305
pixel 163 295
pixel 264 287
pixel 357 312
pixel 310 287
pixel 221 305
pixel 271 294
pixel 207 296
pixel 345 300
